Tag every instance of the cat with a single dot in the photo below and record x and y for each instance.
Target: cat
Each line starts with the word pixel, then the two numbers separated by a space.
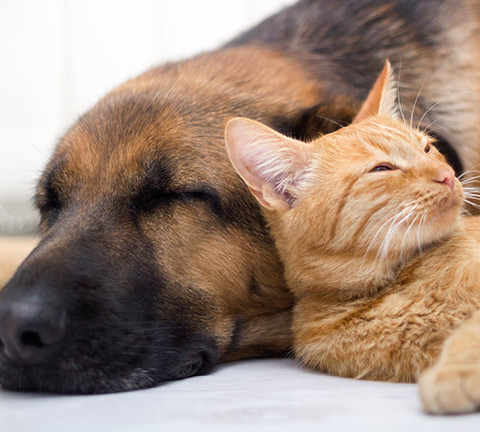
pixel 383 263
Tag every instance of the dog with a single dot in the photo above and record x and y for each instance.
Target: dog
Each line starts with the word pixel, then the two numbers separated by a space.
pixel 155 263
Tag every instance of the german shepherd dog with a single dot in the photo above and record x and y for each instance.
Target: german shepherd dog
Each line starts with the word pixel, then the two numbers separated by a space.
pixel 155 263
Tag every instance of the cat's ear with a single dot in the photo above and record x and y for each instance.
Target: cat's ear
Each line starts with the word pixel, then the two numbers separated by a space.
pixel 270 163
pixel 382 98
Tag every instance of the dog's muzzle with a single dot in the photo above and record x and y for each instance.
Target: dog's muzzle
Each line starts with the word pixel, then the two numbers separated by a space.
pixel 71 322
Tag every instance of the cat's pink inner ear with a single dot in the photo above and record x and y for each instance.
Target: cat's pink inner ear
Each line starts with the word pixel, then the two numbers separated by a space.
pixel 382 98
pixel 266 160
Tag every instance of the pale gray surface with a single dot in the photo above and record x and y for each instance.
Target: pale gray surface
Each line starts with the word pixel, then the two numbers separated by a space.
pixel 263 395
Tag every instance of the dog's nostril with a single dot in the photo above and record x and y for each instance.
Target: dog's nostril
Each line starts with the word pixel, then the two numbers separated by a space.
pixel 31 339
pixel 31 331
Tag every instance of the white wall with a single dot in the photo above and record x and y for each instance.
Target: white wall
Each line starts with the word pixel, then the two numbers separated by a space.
pixel 57 57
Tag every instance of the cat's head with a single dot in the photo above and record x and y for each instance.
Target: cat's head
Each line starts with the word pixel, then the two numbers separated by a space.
pixel 376 189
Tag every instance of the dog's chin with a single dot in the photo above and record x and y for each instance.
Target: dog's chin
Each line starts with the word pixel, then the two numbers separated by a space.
pixel 110 364
pixel 71 377
pixel 39 380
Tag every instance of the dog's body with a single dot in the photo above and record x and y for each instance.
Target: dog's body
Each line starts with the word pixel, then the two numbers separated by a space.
pixel 155 262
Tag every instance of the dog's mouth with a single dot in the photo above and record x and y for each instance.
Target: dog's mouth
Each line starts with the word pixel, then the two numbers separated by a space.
pixel 191 367
pixel 67 374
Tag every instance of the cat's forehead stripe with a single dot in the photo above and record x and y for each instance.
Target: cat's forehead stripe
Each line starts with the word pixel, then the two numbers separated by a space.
pixel 387 138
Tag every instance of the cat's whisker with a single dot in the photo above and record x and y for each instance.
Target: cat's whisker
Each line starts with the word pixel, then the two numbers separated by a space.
pixel 330 120
pixel 398 93
pixel 415 102
pixel 470 188
pixel 419 231
pixel 391 220
pixel 472 194
pixel 473 204
pixel 428 110
pixel 392 230
pixel 465 182
pixel 372 241
pixel 405 235
pixel 425 129
pixel 471 191
pixel 470 171
pixel 472 197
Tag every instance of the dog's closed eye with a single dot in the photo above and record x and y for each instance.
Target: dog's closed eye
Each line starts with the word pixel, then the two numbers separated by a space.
pixel 150 199
pixel 47 200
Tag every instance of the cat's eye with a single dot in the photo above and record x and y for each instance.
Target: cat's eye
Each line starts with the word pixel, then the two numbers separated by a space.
pixel 382 167
pixel 427 149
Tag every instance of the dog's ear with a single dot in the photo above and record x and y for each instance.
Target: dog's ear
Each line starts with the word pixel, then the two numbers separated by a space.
pixel 320 119
pixel 382 99
pixel 271 164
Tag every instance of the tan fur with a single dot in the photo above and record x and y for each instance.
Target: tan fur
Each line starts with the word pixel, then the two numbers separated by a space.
pixel 13 251
pixel 382 265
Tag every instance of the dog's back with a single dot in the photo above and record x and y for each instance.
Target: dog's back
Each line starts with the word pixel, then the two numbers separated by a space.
pixel 433 46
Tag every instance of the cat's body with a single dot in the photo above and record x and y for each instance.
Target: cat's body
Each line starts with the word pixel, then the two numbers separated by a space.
pixel 396 332
pixel 384 267
pixel 359 313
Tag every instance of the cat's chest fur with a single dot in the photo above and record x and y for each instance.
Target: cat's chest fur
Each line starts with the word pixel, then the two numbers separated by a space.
pixel 406 320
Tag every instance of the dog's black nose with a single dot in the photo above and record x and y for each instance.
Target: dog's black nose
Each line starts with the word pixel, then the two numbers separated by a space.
pixel 30 330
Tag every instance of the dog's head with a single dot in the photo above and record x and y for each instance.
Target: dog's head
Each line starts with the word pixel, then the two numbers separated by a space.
pixel 155 262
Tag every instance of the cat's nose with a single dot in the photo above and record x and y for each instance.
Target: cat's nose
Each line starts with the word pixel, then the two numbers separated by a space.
pixel 447 177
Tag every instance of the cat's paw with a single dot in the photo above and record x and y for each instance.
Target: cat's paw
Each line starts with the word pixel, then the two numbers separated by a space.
pixel 450 389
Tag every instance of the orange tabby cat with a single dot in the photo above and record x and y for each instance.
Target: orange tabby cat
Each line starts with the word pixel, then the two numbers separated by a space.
pixel 384 267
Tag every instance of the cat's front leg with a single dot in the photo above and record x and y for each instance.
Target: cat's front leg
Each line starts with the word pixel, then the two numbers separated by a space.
pixel 452 385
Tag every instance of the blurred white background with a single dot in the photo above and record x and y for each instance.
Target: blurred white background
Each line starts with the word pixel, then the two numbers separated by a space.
pixel 59 56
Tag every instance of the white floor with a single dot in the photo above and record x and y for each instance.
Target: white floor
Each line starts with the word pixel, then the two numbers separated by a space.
pixel 256 395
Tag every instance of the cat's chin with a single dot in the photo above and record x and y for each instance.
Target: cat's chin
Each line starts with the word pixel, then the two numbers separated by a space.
pixel 442 221
pixel 448 209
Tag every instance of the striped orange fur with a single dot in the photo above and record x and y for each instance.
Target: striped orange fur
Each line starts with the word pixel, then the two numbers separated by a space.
pixel 382 263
